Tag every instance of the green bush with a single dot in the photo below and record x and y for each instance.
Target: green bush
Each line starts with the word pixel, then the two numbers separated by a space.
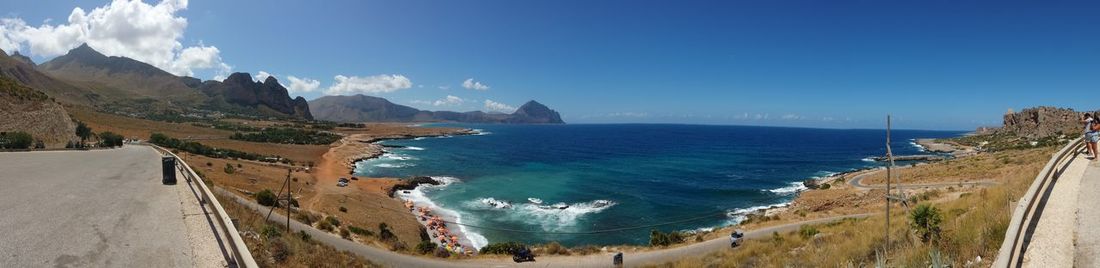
pixel 826 186
pixel 15 140
pixel 657 238
pixel 926 219
pixel 360 231
pixel 385 234
pixel 426 246
pixel 502 248
pixel 288 136
pixel 343 209
pixel 807 231
pixel 332 220
pixel 345 234
pixel 229 169
pixel 304 236
pixel 270 231
pixel 266 197
pixel 324 225
pixel 110 139
pixel 201 149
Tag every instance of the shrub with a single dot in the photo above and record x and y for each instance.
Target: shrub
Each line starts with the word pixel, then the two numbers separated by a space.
pixel 266 197
pixel 426 246
pixel 83 131
pixel 306 217
pixel 279 250
pixel 270 231
pixel 384 233
pixel 343 209
pixel 826 186
pixel 502 248
pixel 360 231
pixel 345 234
pixel 332 220
pixel 304 236
pixel 324 225
pixel 442 253
pixel 15 140
pixel 657 238
pixel 926 219
pixel 807 231
pixel 229 169
pixel 554 248
pixel 110 139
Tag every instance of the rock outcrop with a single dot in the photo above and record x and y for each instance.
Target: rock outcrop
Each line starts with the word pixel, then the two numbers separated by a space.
pixel 267 97
pixel 360 108
pixel 22 58
pixel 28 110
pixel 1043 121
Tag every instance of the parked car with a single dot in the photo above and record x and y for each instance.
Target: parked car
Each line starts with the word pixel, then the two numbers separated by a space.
pixel 342 182
pixel 736 237
pixel 523 255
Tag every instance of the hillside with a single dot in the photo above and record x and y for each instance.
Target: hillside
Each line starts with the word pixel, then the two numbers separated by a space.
pixel 1042 122
pixel 127 86
pixel 123 76
pixel 31 111
pixel 361 108
pixel 19 68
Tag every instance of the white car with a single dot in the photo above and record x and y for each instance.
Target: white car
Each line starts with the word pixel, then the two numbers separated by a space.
pixel 736 237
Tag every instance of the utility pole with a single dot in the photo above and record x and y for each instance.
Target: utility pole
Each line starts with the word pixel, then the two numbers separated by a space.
pixel 889 166
pixel 289 198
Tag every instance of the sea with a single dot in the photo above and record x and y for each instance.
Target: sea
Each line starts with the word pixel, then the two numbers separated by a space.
pixel 590 184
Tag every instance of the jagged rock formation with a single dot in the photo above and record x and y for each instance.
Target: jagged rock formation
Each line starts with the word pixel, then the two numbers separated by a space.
pixel 22 58
pixel 269 97
pixel 1043 121
pixel 361 108
pixel 31 111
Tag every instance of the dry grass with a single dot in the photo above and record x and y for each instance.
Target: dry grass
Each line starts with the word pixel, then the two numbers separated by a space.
pixel 990 166
pixel 974 225
pixel 272 246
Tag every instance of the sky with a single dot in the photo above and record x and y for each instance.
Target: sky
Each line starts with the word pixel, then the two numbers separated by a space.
pixel 951 65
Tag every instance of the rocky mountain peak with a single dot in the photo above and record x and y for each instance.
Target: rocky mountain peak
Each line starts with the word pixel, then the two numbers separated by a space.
pixel 534 112
pixel 22 58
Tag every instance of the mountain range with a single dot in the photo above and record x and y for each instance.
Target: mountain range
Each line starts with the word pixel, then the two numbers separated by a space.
pixel 361 108
pixel 121 85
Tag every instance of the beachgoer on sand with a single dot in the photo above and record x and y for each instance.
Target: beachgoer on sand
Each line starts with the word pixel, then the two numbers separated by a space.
pixel 1092 134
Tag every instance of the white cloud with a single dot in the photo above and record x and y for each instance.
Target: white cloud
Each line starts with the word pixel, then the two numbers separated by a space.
pixel 791 117
pixel 444 87
pixel 449 101
pixel 499 107
pixel 299 85
pixel 133 29
pixel 382 83
pixel 475 85
pixel 261 76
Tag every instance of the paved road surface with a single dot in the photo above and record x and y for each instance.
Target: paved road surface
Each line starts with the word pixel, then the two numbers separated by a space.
pixel 391 259
pixel 102 208
pixel 1087 253
pixel 858 184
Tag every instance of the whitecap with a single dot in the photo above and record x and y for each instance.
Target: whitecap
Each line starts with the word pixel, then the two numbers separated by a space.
pixel 418 197
pixel 419 138
pixel 793 187
pixel 398 165
pixel 489 203
pixel 414 148
pixel 914 143
pixel 868 159
pixel 534 200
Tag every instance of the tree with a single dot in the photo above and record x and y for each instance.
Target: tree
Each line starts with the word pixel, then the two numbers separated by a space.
pixel 83 131
pixel 110 139
pixel 266 197
pixel 926 219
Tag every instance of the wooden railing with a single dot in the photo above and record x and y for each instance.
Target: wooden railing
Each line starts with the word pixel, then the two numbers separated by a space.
pixel 1024 218
pixel 237 248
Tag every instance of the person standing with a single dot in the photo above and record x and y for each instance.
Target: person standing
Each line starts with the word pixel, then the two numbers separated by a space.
pixel 1092 134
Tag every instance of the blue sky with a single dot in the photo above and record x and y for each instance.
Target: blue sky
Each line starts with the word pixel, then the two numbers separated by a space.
pixel 838 64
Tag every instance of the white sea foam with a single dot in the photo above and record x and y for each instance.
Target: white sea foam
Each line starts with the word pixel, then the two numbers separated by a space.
pixel 915 144
pixel 535 200
pixel 419 138
pixel 556 217
pixel 736 216
pixel 414 148
pixel 418 197
pixel 793 187
pixel 397 165
pixel 481 132
pixel 397 157
pixel 868 159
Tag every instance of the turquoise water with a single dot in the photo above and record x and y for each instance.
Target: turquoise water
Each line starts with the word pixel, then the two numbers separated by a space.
pixel 592 178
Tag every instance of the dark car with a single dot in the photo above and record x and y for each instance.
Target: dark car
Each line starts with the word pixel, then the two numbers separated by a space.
pixel 523 255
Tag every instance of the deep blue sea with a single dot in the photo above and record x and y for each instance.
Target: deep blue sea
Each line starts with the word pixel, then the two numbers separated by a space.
pixel 539 183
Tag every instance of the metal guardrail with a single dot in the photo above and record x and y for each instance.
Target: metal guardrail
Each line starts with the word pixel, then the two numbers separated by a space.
pixel 237 248
pixel 1023 219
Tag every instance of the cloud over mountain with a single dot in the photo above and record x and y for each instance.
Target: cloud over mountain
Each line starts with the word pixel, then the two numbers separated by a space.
pixel 133 29
pixel 383 83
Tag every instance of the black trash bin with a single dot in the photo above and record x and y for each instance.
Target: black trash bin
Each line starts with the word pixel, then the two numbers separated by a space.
pixel 169 167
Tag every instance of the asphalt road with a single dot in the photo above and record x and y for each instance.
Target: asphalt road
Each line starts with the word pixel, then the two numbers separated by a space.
pixel 857 182
pixel 101 208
